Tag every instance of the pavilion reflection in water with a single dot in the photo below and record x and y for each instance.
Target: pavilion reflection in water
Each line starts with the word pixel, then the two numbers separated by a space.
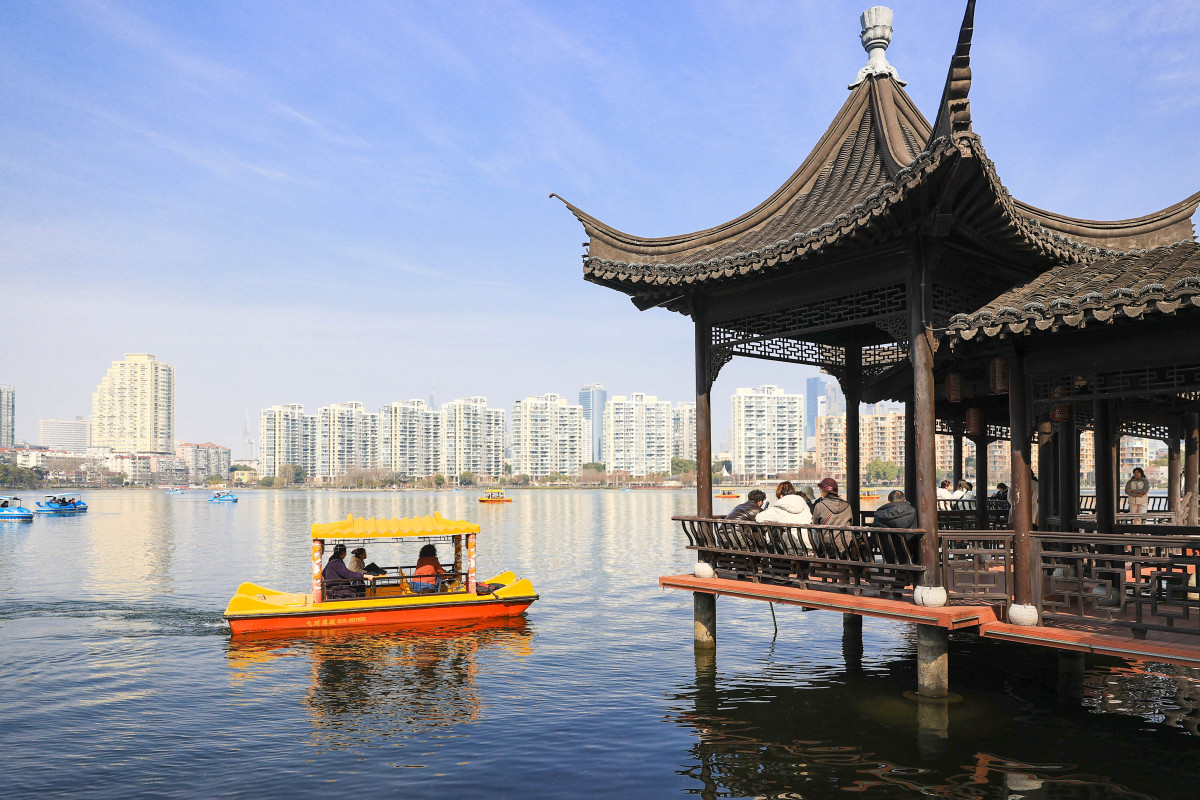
pixel 371 683
pixel 895 260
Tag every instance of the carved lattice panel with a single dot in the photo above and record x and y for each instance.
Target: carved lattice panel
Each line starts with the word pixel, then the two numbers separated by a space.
pixel 833 312
pixel 1134 382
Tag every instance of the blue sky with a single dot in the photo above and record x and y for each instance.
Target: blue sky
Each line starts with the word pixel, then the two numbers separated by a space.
pixel 318 202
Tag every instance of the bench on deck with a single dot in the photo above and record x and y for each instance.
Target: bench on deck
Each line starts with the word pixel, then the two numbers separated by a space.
pixel 849 558
pixel 963 514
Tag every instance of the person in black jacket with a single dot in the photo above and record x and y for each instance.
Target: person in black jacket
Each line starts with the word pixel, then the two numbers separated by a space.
pixel 748 510
pixel 898 513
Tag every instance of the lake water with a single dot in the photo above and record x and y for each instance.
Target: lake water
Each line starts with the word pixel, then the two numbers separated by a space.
pixel 120 679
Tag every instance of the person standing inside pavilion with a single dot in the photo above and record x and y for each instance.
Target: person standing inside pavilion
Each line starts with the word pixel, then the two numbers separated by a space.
pixel 1137 489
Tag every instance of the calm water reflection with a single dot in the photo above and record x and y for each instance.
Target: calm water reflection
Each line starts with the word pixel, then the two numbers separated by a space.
pixel 120 677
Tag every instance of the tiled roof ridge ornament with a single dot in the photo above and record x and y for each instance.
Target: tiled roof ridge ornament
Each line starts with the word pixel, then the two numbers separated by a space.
pixel 876 36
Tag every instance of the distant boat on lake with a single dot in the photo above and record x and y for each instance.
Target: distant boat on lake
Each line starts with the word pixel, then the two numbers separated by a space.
pixel 62 504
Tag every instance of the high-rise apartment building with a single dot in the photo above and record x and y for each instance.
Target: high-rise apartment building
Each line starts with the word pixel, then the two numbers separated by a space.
pixel 474 437
pixel 412 439
pixel 814 388
pixel 683 431
pixel 204 460
pixel 66 435
pixel 133 410
pixel 549 435
pixel 999 459
pixel 767 433
pixel 637 435
pixel 286 435
pixel 880 438
pixel 593 398
pixel 8 415
pixel 347 439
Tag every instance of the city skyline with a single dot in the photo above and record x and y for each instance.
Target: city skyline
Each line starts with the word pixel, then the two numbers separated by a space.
pixel 172 191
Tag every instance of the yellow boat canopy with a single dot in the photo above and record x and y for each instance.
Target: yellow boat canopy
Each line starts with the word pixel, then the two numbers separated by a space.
pixel 353 527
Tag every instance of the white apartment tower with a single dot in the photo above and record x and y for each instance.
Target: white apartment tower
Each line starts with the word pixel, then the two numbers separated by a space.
pixel 286 435
pixel 683 431
pixel 8 415
pixel 767 434
pixel 474 436
pixel 411 439
pixel 67 435
pixel 549 435
pixel 203 460
pixel 347 439
pixel 637 435
pixel 133 410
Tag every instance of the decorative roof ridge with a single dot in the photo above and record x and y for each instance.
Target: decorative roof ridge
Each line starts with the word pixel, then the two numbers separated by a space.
pixel 954 109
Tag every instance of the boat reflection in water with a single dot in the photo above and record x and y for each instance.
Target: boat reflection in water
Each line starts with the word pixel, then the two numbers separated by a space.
pixel 368 683
pixel 766 735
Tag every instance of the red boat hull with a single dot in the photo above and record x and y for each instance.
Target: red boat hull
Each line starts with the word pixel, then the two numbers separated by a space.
pixel 358 617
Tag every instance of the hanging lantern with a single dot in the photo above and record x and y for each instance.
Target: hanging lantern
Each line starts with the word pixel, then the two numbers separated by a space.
pixel 954 387
pixel 998 375
pixel 974 424
pixel 1061 411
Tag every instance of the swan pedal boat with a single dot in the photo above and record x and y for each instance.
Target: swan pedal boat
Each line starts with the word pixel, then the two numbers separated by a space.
pixel 389 599
pixel 223 497
pixel 62 504
pixel 13 511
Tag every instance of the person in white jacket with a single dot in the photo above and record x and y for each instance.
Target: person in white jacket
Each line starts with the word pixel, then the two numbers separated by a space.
pixel 789 508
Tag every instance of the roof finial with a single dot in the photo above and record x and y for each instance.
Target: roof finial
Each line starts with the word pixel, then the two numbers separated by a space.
pixel 876 36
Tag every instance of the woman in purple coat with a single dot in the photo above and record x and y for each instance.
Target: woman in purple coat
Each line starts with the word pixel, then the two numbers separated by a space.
pixel 340 581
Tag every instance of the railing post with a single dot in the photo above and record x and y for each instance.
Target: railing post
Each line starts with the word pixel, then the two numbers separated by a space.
pixel 1022 611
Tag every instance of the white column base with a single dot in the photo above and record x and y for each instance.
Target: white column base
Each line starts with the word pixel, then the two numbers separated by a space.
pixel 930 596
pixel 1023 615
pixel 703 570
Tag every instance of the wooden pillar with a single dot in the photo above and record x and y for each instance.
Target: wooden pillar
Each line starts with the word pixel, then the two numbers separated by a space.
pixel 1022 611
pixel 1045 460
pixel 921 351
pixel 933 661
pixel 852 389
pixel 705 605
pixel 1068 474
pixel 981 481
pixel 1173 467
pixel 1191 464
pixel 1102 441
pixel 958 458
pixel 910 451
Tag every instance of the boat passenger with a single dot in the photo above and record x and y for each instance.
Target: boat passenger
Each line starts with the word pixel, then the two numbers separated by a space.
pixel 4 504
pixel 749 510
pixel 427 566
pixel 339 581
pixel 357 560
pixel 789 508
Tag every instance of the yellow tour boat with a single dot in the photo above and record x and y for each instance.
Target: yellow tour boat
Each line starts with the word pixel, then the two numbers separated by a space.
pixel 495 496
pixel 727 494
pixel 397 595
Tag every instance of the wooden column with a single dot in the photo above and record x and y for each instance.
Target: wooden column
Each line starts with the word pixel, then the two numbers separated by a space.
pixel 1173 467
pixel 1068 474
pixel 1045 461
pixel 1191 464
pixel 981 481
pixel 910 451
pixel 852 389
pixel 1019 491
pixel 704 605
pixel 958 458
pixel 1102 441
pixel 921 347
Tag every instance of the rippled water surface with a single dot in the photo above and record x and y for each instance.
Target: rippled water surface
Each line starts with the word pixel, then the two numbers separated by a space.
pixel 120 679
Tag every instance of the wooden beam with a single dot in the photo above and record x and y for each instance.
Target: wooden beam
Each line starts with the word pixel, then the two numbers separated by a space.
pixel 1044 502
pixel 981 481
pixel 1068 474
pixel 921 352
pixel 910 450
pixel 704 492
pixel 1105 470
pixel 958 459
pixel 852 389
pixel 1191 464
pixel 1173 467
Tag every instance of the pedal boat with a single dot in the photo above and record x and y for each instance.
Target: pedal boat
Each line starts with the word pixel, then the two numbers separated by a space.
pixel 495 496
pixel 223 496
pixel 391 598
pixel 11 510
pixel 733 495
pixel 62 504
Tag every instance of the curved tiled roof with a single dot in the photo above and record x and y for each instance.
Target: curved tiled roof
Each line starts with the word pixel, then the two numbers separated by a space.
pixel 1158 281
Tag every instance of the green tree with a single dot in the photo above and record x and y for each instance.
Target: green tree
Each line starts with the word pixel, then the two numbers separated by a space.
pixel 595 466
pixel 267 481
pixel 213 479
pixel 289 474
pixel 682 465
pixel 20 477
pixel 881 472
pixel 466 479
pixel 557 477
pixel 507 468
pixel 439 480
pixel 241 468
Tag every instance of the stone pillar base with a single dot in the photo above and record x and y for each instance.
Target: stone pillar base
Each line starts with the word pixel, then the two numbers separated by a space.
pixel 930 596
pixel 1023 615
pixel 705 621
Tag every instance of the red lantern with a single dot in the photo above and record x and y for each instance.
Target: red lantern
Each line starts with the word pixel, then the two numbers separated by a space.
pixel 954 387
pixel 974 424
pixel 998 375
pixel 1061 411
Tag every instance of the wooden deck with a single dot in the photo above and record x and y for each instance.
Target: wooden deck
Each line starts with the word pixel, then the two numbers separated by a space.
pixel 952 617
pixel 1084 636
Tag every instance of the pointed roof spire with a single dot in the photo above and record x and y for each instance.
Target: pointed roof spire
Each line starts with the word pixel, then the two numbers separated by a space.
pixel 954 111
pixel 876 36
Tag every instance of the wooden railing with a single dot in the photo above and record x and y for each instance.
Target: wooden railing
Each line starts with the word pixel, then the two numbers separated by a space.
pixel 1156 504
pixel 955 515
pixel 1135 580
pixel 978 565
pixel 852 559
